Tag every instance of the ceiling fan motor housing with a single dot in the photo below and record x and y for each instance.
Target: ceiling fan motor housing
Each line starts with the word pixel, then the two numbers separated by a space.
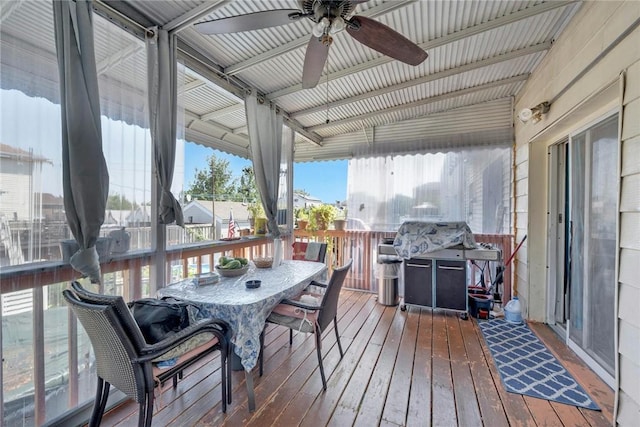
pixel 318 9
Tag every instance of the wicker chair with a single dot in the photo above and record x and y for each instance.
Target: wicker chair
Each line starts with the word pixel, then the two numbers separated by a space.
pixel 312 318
pixel 126 361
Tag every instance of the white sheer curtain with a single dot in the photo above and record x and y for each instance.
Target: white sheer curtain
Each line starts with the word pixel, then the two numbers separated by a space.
pixel 471 186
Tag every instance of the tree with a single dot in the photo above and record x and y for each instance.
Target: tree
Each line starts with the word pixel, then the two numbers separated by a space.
pixel 302 192
pixel 247 189
pixel 120 203
pixel 216 179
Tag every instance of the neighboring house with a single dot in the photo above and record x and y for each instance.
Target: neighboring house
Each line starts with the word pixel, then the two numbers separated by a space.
pixel 302 201
pixel 199 212
pixel 53 208
pixel 139 217
pixel 20 171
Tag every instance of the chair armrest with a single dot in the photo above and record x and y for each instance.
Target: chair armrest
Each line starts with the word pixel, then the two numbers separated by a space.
pixel 300 304
pixel 218 327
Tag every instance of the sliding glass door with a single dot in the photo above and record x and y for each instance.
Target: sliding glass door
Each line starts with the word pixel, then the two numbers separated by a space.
pixel 593 192
pixel 583 206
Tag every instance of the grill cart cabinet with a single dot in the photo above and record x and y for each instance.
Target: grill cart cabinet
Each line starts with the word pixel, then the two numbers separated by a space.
pixel 451 285
pixel 435 262
pixel 418 280
pixel 435 283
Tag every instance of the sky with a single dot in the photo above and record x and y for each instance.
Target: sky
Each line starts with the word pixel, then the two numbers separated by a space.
pixel 325 180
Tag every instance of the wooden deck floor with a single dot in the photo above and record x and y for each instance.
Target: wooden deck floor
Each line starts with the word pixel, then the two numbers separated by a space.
pixel 413 368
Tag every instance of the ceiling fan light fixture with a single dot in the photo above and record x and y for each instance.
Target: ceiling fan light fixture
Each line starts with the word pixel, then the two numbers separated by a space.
pixel 319 28
pixel 337 25
pixel 328 17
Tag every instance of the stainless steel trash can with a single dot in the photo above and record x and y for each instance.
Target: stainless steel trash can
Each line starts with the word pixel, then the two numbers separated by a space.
pixel 388 273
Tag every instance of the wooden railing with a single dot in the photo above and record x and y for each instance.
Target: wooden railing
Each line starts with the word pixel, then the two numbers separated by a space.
pixel 128 275
pixel 40 326
pixel 362 247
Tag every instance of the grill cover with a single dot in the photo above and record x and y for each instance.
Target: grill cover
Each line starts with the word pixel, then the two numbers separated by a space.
pixel 415 238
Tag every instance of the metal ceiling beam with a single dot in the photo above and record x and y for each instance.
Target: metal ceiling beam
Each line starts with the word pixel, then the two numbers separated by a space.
pixel 185 20
pixel 374 12
pixel 196 60
pixel 429 78
pixel 191 86
pixel 193 116
pixel 430 100
pixel 310 135
pixel 8 8
pixel 222 112
pixel 441 41
pixel 200 64
pixel 111 61
pixel 217 143
pixel 190 115
pixel 230 93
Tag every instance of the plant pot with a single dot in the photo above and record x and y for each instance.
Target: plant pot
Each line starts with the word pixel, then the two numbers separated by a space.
pixel 340 224
pixel 260 226
pixel 302 224
pixel 321 224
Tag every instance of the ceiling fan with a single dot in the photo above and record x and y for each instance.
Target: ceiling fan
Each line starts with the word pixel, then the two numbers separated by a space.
pixel 329 17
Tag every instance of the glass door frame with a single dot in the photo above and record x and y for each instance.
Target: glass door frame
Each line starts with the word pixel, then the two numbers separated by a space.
pixel 558 242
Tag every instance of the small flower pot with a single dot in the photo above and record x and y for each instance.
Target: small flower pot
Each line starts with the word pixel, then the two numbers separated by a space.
pixel 340 224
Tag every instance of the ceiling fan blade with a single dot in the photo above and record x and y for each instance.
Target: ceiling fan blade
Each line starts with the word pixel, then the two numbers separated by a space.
pixel 385 40
pixel 250 21
pixel 314 60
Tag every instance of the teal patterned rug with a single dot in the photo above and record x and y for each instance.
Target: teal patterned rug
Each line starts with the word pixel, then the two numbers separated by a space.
pixel 527 367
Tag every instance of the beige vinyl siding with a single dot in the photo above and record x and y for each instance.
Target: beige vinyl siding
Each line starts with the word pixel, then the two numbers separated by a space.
pixel 14 179
pixel 577 103
pixel 629 278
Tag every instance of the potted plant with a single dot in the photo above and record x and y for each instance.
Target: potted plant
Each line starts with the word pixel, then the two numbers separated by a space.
pixel 302 218
pixel 340 221
pixel 258 216
pixel 320 216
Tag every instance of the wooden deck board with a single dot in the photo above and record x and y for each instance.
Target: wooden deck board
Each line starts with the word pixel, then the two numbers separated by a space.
pixel 401 368
pixel 491 409
pixel 395 407
pixel 443 407
pixel 375 396
pixel 466 401
pixel 419 411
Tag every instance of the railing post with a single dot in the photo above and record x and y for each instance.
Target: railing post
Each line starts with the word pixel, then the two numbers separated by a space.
pixel 38 357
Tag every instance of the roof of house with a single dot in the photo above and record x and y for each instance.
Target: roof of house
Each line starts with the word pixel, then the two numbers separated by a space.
pixel 11 152
pixel 222 209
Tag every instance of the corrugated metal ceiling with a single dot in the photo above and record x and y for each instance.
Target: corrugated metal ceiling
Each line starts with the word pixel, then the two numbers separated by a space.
pixel 480 54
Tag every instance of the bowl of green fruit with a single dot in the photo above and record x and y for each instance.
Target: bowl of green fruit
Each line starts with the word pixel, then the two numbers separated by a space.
pixel 232 267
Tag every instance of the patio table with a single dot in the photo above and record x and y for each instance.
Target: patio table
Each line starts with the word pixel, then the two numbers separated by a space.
pixel 246 310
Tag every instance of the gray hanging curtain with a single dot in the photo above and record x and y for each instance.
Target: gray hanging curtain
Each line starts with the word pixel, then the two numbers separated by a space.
pixel 162 69
pixel 265 136
pixel 84 170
